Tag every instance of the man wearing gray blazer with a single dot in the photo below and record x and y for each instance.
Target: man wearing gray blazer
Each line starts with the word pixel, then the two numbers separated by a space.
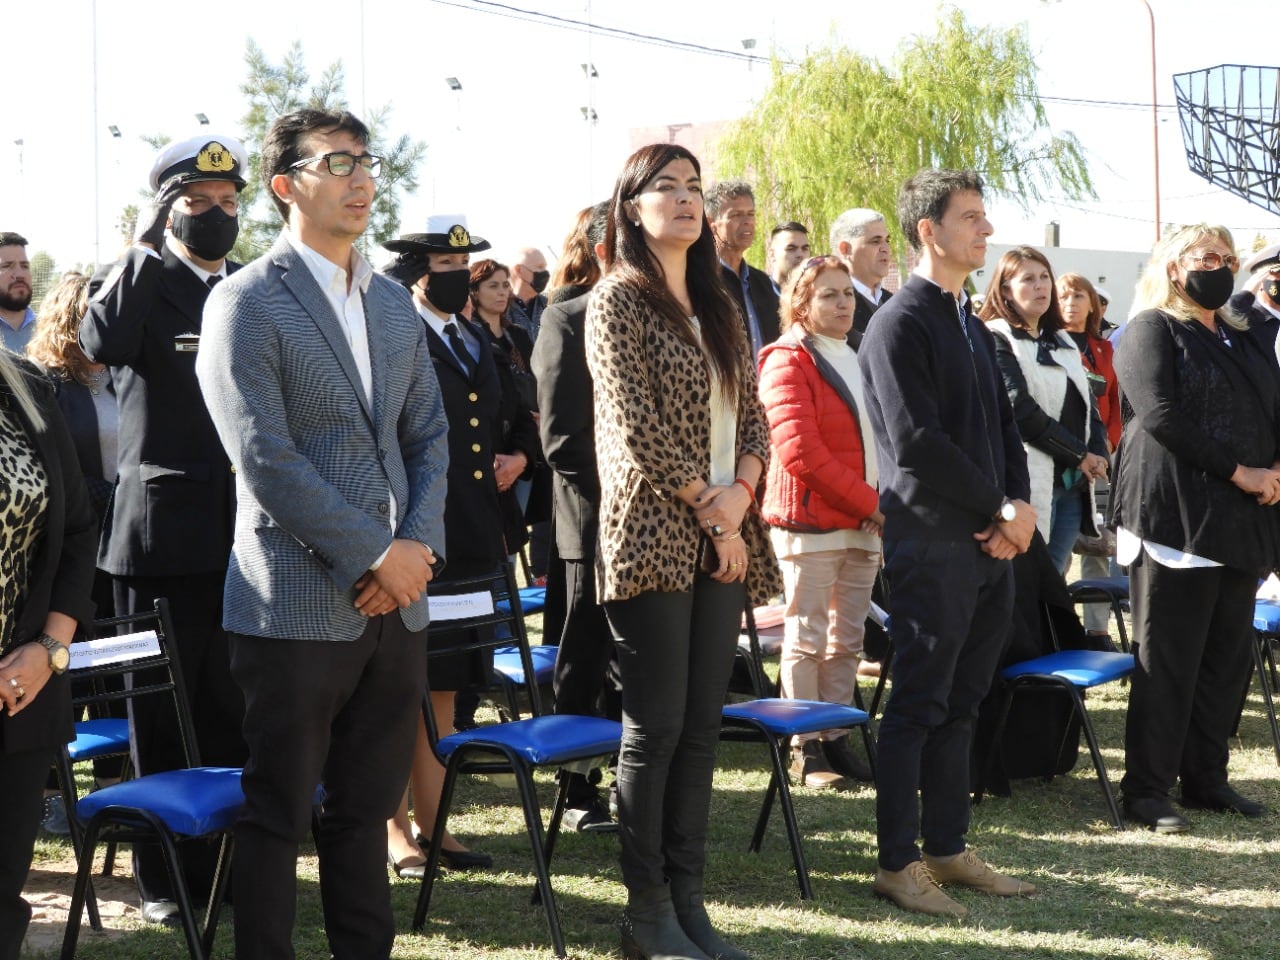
pixel 317 376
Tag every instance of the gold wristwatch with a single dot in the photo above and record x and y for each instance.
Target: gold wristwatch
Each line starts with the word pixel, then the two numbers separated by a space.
pixel 59 655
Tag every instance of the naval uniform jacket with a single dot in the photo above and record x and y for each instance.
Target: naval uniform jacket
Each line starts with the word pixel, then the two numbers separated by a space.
pixel 480 414
pixel 173 508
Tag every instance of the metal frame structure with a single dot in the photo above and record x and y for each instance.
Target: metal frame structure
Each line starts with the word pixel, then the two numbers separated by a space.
pixel 1230 117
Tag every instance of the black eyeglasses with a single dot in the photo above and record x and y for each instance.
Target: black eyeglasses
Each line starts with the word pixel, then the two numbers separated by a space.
pixel 343 164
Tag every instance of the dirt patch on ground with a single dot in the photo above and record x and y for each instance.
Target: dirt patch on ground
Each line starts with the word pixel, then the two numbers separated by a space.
pixel 48 890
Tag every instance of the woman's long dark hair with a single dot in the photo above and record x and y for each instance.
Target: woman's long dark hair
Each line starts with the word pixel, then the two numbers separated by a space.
pixel 627 256
pixel 996 305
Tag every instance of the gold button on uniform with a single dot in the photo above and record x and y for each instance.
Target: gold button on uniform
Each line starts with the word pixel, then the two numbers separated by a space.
pixel 479 474
pixel 475 422
pixel 475 448
pixel 473 397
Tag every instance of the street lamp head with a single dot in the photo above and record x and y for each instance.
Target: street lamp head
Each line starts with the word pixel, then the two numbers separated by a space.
pixel 202 119
pixel 590 70
pixel 454 83
pixel 114 131
pixel 749 44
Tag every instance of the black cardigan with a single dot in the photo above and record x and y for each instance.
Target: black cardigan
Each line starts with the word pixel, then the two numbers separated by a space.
pixel 62 573
pixel 1193 409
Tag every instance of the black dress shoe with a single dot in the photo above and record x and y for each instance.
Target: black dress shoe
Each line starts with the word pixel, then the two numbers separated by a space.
pixel 1223 799
pixel 162 912
pixel 1156 813
pixel 459 859
pixel 405 870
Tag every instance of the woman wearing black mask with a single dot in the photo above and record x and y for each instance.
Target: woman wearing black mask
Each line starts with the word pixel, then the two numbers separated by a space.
pixel 492 438
pixel 1195 483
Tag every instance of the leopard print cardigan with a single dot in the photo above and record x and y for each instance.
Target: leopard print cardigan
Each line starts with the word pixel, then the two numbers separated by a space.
pixel 653 436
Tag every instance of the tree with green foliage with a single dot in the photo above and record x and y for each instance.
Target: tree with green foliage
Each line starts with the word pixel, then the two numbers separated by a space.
pixel 839 130
pixel 276 89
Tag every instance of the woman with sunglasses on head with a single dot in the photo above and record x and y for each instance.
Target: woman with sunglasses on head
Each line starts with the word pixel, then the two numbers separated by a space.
pixel 682 443
pixel 1052 401
pixel 1195 484
pixel 822 505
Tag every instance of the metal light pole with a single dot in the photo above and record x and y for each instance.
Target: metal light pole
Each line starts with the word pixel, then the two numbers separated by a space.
pixel 1155 116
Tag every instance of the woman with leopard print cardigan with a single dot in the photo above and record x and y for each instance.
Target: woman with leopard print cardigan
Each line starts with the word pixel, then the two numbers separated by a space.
pixel 682 442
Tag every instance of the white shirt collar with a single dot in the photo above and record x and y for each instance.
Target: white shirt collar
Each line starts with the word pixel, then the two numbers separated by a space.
pixel 201 273
pixel 872 295
pixel 328 274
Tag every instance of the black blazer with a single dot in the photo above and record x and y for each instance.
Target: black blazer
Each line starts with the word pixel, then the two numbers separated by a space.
pixel 1194 409
pixel 863 310
pixel 568 427
pixel 484 419
pixel 763 298
pixel 75 400
pixel 173 507
pixel 62 572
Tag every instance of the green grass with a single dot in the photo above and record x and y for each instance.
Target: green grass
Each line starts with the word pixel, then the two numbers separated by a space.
pixel 1208 894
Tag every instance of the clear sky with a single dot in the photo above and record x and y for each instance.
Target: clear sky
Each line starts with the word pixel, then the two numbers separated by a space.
pixel 512 150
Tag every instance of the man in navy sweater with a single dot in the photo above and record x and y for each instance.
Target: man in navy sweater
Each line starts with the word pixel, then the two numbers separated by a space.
pixel 954 491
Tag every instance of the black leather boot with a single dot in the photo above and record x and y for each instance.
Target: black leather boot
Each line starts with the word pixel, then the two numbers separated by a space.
pixel 686 897
pixel 650 930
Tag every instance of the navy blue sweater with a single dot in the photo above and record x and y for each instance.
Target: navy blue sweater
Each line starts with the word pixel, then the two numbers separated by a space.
pixel 949 449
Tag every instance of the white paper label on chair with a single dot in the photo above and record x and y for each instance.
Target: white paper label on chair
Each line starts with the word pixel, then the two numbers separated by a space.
pixel 104 650
pixel 460 606
pixel 878 614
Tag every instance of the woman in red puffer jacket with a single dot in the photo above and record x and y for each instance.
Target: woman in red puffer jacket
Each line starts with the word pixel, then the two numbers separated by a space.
pixel 821 504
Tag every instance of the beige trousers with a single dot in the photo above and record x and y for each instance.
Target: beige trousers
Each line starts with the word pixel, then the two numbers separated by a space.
pixel 828 597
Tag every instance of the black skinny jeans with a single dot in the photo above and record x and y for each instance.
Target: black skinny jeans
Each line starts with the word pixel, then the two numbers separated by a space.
pixel 675 653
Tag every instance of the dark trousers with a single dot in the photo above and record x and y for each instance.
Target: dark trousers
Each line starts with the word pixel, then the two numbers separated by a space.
pixel 217 710
pixel 1192 629
pixel 344 714
pixel 21 805
pixel 586 678
pixel 675 652
pixel 951 607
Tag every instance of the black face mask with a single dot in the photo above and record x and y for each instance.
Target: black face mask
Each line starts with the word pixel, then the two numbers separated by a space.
pixel 540 280
pixel 448 291
pixel 1210 288
pixel 210 235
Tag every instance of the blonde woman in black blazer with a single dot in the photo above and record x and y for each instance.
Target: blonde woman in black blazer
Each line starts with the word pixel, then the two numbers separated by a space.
pixel 1195 483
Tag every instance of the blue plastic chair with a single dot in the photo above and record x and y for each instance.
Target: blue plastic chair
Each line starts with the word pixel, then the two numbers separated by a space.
pixel 508 670
pixel 167 808
pixel 775 720
pixel 1266 629
pixel 1073 672
pixel 513 749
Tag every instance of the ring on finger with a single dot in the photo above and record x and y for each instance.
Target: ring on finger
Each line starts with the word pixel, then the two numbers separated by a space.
pixel 13 682
pixel 717 530
pixel 19 692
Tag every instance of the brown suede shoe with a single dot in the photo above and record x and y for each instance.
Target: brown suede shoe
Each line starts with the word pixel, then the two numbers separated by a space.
pixel 967 870
pixel 913 889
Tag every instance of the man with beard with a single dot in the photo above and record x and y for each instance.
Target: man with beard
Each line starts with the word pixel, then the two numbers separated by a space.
pixel 167 531
pixel 15 292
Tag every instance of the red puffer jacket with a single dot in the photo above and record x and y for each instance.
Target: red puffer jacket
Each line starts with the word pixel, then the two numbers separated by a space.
pixel 816 474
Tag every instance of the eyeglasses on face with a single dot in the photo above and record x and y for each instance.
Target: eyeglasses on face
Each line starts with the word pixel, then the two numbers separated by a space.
pixel 343 164
pixel 1211 261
